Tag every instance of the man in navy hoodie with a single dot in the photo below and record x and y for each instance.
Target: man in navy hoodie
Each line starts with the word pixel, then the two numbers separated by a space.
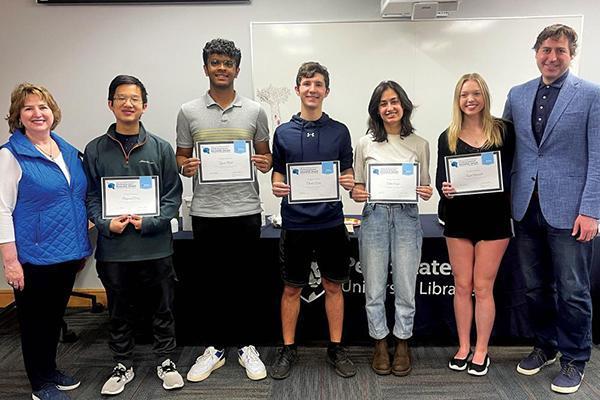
pixel 311 136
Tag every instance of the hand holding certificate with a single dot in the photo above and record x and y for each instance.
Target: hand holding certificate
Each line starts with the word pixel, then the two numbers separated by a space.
pixel 393 183
pixel 475 173
pixel 225 162
pixel 130 195
pixel 312 182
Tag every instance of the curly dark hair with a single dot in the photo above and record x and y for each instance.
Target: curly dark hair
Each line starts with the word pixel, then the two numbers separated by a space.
pixel 223 47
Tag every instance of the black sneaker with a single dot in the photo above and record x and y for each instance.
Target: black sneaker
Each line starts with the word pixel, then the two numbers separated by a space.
pixel 460 364
pixel 534 362
pixel 477 369
pixel 288 356
pixel 49 392
pixel 568 380
pixel 337 356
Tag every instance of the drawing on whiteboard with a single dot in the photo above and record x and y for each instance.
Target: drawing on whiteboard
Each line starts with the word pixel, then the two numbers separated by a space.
pixel 274 97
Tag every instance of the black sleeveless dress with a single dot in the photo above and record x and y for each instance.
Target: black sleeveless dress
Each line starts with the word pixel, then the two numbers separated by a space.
pixel 479 216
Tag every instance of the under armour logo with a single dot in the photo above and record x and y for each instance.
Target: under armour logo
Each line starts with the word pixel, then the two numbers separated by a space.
pixel 310 134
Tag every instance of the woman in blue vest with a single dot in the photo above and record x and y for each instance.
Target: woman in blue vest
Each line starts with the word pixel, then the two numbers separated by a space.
pixel 43 230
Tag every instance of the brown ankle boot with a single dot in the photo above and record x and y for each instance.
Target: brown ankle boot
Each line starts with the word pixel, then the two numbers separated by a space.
pixel 381 358
pixel 401 365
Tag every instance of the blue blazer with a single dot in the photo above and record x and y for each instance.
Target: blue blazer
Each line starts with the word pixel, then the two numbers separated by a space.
pixel 567 161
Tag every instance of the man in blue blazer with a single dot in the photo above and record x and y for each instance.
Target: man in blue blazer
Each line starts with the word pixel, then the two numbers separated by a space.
pixel 555 185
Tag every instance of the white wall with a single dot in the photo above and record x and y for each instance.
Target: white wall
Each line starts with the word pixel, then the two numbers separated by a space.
pixel 425 57
pixel 76 50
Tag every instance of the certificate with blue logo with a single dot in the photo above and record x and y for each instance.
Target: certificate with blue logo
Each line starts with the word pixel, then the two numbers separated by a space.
pixel 130 195
pixel 392 183
pixel 313 182
pixel 225 162
pixel 475 173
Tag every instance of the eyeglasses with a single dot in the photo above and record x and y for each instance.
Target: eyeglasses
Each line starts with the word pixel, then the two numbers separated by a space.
pixel 123 99
pixel 226 63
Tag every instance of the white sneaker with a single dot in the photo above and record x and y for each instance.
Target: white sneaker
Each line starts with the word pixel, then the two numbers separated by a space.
pixel 249 358
pixel 167 371
pixel 211 360
pixel 118 379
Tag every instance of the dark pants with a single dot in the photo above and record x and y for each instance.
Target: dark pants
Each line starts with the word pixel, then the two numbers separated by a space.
pixel 556 269
pixel 40 309
pixel 135 288
pixel 228 249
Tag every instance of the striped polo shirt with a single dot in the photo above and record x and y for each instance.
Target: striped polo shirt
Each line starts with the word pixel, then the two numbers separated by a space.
pixel 203 120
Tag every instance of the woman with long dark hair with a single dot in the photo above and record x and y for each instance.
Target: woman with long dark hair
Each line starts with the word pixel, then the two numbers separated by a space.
pixel 390 231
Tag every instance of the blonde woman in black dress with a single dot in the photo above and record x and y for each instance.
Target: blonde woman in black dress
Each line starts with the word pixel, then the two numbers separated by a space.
pixel 477 227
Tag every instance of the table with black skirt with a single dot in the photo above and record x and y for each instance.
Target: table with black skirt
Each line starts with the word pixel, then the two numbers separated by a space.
pixel 434 319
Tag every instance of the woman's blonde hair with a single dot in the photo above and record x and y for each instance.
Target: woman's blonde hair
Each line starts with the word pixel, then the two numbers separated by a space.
pixel 17 101
pixel 492 127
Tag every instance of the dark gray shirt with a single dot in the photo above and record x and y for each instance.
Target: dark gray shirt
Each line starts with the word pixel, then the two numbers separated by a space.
pixel 127 141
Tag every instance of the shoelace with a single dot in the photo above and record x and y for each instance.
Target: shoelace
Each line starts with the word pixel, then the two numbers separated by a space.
pixel 169 367
pixel 540 356
pixel 569 370
pixel 206 356
pixel 251 354
pixel 285 354
pixel 340 354
pixel 118 372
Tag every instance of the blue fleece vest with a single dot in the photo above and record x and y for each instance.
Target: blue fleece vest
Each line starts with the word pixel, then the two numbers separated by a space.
pixel 49 218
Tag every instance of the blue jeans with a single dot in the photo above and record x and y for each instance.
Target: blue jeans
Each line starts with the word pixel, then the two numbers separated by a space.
pixel 556 269
pixel 390 232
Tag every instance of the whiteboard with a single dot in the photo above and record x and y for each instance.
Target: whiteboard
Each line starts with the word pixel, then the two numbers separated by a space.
pixel 425 57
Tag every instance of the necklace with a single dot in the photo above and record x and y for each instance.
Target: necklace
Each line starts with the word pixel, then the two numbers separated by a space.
pixel 50 154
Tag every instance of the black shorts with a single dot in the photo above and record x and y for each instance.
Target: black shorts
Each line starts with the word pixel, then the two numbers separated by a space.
pixel 478 217
pixel 329 247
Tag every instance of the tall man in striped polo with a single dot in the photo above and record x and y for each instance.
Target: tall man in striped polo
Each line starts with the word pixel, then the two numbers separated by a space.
pixel 225 217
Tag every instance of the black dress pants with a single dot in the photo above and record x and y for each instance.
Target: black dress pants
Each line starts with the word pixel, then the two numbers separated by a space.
pixel 40 310
pixel 135 288
pixel 228 251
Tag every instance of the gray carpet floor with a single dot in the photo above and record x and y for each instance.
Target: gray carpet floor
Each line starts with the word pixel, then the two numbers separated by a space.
pixel 312 378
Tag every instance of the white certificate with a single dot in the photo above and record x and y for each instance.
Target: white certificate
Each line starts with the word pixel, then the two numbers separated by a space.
pixel 475 173
pixel 128 195
pixel 225 162
pixel 393 183
pixel 312 182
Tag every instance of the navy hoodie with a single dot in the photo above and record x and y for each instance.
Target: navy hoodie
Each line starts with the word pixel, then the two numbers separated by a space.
pixel 310 141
